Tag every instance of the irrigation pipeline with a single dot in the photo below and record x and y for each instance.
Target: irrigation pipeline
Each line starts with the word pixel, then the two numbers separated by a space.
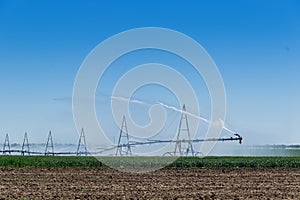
pixel 37 153
pixel 149 142
pixel 131 144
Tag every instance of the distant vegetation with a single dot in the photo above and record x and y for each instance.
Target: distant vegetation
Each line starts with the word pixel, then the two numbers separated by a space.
pixel 282 146
pixel 207 162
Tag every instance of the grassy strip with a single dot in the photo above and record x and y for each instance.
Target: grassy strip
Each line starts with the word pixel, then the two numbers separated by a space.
pixel 207 162
pixel 254 162
pixel 48 161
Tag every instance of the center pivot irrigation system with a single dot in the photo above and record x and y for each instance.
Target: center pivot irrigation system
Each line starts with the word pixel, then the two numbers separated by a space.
pixel 183 142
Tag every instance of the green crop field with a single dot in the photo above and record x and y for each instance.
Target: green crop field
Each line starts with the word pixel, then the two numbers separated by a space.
pixel 207 162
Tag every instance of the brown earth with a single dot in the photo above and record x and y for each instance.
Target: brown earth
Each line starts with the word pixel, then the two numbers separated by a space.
pixel 180 183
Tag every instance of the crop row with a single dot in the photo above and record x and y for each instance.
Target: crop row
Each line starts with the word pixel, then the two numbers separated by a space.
pixel 207 162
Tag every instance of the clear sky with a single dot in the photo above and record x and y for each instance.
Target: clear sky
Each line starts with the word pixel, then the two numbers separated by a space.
pixel 255 44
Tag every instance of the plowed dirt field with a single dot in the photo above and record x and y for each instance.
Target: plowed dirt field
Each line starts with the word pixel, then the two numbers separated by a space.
pixel 169 183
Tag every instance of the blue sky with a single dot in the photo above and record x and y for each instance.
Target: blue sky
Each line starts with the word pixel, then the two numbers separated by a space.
pixel 255 44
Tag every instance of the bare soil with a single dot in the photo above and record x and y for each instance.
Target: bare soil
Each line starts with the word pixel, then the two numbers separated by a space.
pixel 170 183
